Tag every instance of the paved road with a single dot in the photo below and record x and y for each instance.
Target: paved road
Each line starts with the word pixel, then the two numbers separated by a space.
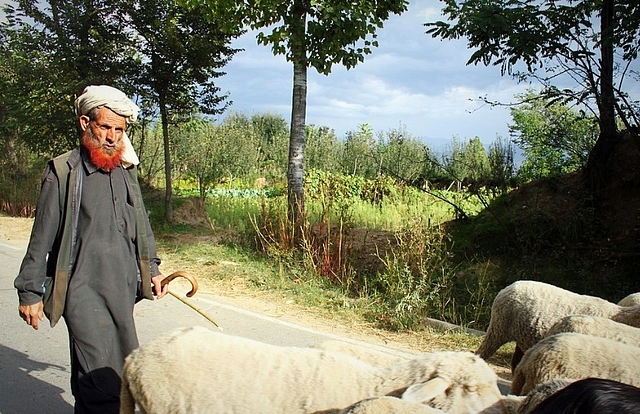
pixel 34 365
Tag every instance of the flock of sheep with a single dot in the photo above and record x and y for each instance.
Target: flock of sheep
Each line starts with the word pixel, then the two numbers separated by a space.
pixel 574 353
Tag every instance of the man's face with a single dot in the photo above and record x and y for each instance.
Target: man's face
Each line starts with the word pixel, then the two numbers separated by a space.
pixel 102 137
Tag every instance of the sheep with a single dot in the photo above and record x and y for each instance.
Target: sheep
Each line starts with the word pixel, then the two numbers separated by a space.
pixel 540 393
pixel 630 300
pixel 378 356
pixel 391 405
pixel 597 326
pixel 525 310
pixel 195 370
pixel 408 404
pixel 576 356
pixel 592 396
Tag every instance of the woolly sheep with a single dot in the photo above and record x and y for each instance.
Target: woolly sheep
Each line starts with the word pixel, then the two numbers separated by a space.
pixel 508 404
pixel 525 310
pixel 597 326
pixel 630 300
pixel 195 370
pixel 391 405
pixel 576 356
pixel 592 396
pixel 378 356
pixel 410 403
pixel 542 392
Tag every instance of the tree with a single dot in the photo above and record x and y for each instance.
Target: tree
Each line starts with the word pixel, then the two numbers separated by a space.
pixel 358 153
pixel 476 161
pixel 182 52
pixel 316 34
pixel 211 152
pixel 272 131
pixel 55 49
pixel 501 163
pixel 556 139
pixel 558 40
pixel 402 156
pixel 322 149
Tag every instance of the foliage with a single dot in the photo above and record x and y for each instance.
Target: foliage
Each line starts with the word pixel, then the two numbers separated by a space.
pixel 420 279
pixel 357 156
pixel 314 34
pixel 466 162
pixel 20 174
pixel 401 155
pixel 322 149
pixel 555 138
pixel 558 42
pixel 50 52
pixel 273 135
pixel 181 54
pixel 501 163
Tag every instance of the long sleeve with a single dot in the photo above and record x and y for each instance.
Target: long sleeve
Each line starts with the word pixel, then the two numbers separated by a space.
pixel 154 260
pixel 33 270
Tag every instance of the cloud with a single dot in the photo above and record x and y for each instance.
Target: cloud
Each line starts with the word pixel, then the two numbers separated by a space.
pixel 410 80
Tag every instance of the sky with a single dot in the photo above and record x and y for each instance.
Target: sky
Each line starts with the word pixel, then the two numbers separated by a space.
pixel 410 81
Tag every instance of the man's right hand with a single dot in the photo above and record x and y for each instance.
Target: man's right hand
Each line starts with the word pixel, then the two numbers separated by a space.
pixel 32 314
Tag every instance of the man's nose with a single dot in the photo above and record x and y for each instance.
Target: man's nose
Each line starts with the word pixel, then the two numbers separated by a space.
pixel 110 135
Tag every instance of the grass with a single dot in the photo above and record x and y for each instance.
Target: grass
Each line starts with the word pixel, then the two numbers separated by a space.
pixel 229 265
pixel 233 271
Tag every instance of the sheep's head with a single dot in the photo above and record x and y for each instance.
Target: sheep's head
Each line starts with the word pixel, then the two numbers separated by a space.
pixel 461 383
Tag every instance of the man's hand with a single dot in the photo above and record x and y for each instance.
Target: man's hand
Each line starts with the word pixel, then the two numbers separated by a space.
pixel 158 289
pixel 32 314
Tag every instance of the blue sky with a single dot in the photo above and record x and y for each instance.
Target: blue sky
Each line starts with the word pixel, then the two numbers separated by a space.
pixel 410 80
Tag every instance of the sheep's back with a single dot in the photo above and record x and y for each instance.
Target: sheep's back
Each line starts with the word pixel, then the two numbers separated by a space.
pixel 529 309
pixel 576 356
pixel 597 326
pixel 204 371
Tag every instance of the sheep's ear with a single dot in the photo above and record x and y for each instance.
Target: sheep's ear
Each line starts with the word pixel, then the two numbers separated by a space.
pixel 425 391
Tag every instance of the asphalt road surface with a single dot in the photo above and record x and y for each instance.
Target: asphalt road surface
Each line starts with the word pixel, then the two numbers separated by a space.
pixel 34 365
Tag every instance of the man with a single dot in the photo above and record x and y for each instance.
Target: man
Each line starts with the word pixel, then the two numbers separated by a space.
pixel 92 253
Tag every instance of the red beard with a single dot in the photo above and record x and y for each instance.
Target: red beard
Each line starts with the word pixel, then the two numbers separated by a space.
pixel 98 156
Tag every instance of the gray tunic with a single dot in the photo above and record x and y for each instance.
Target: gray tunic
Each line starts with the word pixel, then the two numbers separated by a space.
pixel 103 281
pixel 102 287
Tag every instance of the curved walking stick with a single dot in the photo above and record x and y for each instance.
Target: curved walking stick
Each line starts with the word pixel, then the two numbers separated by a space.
pixel 194 288
pixel 180 273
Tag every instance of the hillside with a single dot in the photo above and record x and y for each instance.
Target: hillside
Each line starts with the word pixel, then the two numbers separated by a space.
pixel 554 230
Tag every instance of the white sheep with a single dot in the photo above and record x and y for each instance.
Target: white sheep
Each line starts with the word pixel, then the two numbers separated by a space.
pixel 540 393
pixel 597 326
pixel 374 355
pixel 525 310
pixel 409 404
pixel 391 405
pixel 576 356
pixel 630 300
pixel 195 370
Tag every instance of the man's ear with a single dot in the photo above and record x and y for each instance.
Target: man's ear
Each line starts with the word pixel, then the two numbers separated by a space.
pixel 84 122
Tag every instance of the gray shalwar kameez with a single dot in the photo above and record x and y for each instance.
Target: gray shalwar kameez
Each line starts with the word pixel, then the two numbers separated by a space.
pixel 104 280
pixel 102 288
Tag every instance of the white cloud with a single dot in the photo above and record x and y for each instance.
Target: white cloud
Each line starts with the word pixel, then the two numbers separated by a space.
pixel 411 79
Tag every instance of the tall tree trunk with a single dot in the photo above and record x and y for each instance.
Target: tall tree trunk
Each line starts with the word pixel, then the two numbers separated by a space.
pixel 295 173
pixel 168 191
pixel 599 156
